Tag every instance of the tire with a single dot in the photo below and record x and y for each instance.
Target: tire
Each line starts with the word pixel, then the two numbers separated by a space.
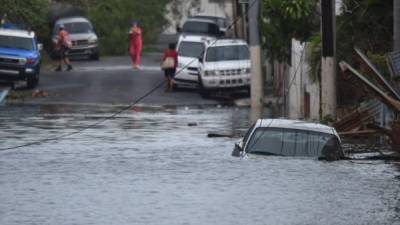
pixel 204 93
pixel 95 56
pixel 33 81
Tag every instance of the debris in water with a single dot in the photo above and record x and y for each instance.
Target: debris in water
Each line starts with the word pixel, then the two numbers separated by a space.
pixel 39 93
pixel 192 124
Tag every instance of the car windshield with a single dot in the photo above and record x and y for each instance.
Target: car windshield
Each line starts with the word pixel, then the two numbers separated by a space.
pixel 76 28
pixel 193 27
pixel 16 42
pixel 191 49
pixel 227 53
pixel 291 142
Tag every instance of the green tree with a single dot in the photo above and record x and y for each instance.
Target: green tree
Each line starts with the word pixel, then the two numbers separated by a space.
pixel 27 14
pixel 283 20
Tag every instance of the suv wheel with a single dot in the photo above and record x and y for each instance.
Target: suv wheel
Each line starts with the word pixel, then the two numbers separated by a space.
pixel 33 80
pixel 202 90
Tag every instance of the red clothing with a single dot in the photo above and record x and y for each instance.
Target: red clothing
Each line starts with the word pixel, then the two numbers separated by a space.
pixel 62 38
pixel 135 44
pixel 173 54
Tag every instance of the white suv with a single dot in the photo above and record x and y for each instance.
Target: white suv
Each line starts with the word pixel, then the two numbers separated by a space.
pixel 225 65
pixel 190 48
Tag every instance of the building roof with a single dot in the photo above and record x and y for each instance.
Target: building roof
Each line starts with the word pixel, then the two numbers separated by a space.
pixel 17 33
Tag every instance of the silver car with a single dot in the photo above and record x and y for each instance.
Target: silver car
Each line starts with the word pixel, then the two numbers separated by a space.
pixel 284 137
pixel 81 32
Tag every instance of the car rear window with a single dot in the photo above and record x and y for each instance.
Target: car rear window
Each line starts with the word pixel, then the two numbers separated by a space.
pixel 16 42
pixel 227 53
pixel 190 49
pixel 291 142
pixel 204 28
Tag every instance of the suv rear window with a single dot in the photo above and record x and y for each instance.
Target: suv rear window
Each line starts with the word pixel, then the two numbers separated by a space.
pixel 16 42
pixel 190 49
pixel 227 53
pixel 193 27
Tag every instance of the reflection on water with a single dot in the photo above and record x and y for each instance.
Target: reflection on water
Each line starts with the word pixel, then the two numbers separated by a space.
pixel 150 167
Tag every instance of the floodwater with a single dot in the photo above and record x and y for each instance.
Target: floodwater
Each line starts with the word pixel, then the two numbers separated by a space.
pixel 150 167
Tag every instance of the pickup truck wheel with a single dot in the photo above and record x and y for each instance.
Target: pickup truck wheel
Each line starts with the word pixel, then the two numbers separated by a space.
pixel 95 56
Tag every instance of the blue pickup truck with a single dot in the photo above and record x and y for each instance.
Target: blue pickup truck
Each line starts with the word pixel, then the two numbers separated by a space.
pixel 19 56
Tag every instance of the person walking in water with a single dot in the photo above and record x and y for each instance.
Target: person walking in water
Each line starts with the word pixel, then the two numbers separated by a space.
pixel 63 45
pixel 169 64
pixel 135 44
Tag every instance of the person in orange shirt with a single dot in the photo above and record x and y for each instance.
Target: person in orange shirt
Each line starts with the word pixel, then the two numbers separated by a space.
pixel 135 44
pixel 63 45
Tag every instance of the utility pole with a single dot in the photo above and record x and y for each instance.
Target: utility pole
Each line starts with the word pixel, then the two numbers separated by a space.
pixel 328 62
pixel 257 83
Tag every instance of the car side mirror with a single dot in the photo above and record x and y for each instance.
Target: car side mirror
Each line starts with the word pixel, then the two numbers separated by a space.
pixel 200 59
pixel 237 151
pixel 40 47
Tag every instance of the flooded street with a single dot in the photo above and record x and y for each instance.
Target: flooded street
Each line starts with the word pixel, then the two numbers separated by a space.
pixel 150 167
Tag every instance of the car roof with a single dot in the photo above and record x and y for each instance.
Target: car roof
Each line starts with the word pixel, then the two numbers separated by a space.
pixel 195 38
pixel 296 124
pixel 72 20
pixel 228 42
pixel 201 15
pixel 17 33
pixel 200 20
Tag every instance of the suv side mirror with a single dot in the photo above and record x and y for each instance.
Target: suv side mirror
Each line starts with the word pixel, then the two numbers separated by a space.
pixel 178 29
pixel 200 59
pixel 40 46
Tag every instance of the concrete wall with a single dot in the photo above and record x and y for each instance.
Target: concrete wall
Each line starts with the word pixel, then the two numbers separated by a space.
pixel 187 9
pixel 300 82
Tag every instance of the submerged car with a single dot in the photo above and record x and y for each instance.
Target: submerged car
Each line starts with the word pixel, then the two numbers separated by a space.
pixel 83 37
pixel 282 137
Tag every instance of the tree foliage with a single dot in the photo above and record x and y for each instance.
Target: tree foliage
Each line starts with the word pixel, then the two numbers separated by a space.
pixel 27 14
pixel 283 20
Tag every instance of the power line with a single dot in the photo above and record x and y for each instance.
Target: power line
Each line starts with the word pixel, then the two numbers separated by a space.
pixel 151 91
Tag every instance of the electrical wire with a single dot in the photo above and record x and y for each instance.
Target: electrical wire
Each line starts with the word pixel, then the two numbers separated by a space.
pixel 151 91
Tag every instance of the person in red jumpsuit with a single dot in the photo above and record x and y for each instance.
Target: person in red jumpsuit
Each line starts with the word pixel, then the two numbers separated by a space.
pixel 135 44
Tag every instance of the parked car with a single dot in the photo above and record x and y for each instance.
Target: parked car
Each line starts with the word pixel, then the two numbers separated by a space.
pixel 225 65
pixel 190 48
pixel 282 137
pixel 203 27
pixel 221 21
pixel 83 37
pixel 20 57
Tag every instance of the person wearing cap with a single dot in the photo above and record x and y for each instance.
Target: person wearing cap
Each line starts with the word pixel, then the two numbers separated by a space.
pixel 63 45
pixel 135 44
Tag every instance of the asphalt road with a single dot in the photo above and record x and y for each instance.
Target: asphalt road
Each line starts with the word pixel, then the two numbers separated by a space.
pixel 112 80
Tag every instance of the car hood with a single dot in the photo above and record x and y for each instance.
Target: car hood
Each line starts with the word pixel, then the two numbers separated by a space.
pixel 188 61
pixel 226 65
pixel 14 52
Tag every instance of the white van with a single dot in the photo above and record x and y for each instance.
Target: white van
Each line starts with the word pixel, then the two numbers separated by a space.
pixel 190 48
pixel 225 65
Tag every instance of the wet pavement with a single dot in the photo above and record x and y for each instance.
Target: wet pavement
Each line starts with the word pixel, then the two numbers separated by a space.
pixel 150 167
